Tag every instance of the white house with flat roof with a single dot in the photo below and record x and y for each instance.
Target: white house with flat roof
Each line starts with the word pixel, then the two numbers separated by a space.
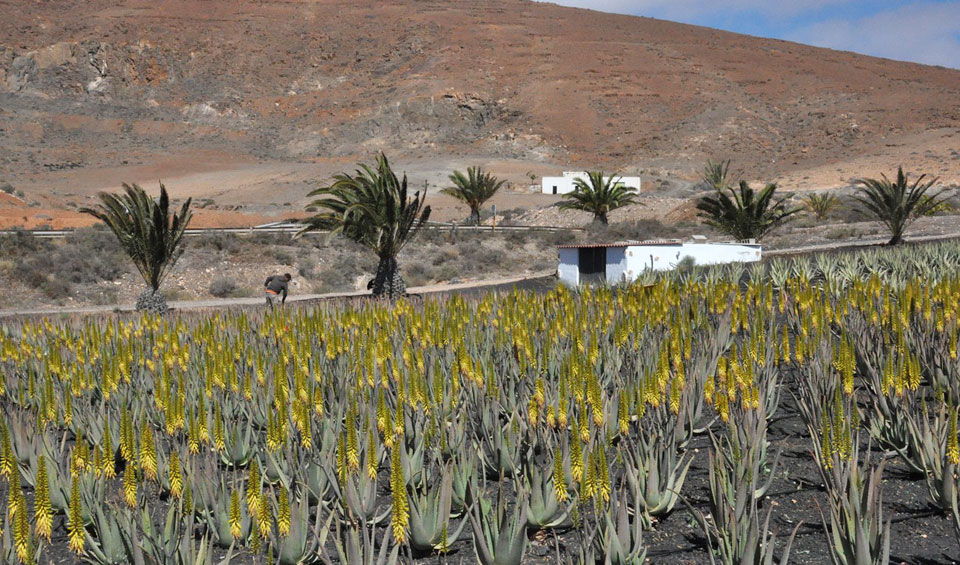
pixel 565 184
pixel 620 262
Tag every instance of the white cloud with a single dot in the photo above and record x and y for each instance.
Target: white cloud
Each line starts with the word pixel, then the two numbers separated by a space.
pixel 919 32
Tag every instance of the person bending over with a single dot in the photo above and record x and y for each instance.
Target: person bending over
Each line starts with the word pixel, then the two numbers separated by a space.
pixel 275 289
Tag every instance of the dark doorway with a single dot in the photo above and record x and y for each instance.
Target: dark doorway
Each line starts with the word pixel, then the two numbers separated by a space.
pixel 593 264
pixel 554 190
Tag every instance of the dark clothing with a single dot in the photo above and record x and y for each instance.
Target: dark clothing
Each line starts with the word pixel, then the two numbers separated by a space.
pixel 277 284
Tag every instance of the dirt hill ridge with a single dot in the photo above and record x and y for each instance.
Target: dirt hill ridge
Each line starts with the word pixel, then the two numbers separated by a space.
pixel 95 92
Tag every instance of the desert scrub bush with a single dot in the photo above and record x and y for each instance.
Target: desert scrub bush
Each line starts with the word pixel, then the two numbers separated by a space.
pixel 343 269
pixel 85 257
pixel 228 243
pixel 632 230
pixel 559 237
pixel 223 287
pixel 517 237
pixel 417 272
pixel 482 255
pixel 306 265
pixel 281 255
pixel 443 255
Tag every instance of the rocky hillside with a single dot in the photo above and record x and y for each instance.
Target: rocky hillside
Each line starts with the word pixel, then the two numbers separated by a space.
pixel 98 86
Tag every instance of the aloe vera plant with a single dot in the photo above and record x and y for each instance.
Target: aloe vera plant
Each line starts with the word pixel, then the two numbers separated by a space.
pixel 544 507
pixel 655 468
pixel 499 533
pixel 738 529
pixel 303 542
pixel 355 542
pixel 857 534
pixel 619 540
pixel 430 511
pixel 106 546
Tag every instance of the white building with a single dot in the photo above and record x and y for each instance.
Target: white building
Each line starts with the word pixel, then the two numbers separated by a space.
pixel 615 263
pixel 564 184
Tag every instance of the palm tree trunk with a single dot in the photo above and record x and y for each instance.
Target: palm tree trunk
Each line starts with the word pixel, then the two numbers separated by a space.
pixel 601 217
pixel 475 216
pixel 388 281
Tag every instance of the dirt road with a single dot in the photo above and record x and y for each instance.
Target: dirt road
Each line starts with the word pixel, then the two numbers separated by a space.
pixel 505 283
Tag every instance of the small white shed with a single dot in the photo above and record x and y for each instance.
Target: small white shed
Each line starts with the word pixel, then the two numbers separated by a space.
pixel 615 263
pixel 565 184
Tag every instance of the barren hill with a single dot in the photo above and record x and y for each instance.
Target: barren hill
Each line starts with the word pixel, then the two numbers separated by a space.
pixel 243 102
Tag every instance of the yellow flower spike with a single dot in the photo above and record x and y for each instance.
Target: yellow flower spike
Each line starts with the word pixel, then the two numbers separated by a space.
pixel 263 515
pixel 283 513
pixel 175 475
pixel 130 486
pixel 14 488
pixel 6 452
pixel 371 451
pixel 253 488
pixel 576 458
pixel 353 450
pixel 551 417
pixel 148 452
pixel 67 407
pixel 235 519
pixel 559 480
pixel 76 532
pixel 23 541
pixel 602 488
pixel 623 413
pixel 588 480
pixel 42 508
pixel 582 428
pixel 218 439
pixel 400 511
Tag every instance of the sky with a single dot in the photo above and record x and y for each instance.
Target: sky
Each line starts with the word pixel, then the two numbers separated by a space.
pixel 924 31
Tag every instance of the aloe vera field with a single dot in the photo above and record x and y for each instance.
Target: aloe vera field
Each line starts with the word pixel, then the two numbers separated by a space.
pixel 800 410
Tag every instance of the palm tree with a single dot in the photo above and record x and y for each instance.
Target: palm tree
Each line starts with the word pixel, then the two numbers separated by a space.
pixel 743 213
pixel 716 175
pixel 371 207
pixel 898 203
pixel 148 233
pixel 599 195
pixel 821 204
pixel 474 189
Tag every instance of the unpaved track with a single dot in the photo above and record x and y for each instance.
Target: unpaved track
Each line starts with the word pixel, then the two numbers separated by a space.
pixel 257 301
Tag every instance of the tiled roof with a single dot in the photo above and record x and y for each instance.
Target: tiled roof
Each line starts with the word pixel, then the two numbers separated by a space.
pixel 620 244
